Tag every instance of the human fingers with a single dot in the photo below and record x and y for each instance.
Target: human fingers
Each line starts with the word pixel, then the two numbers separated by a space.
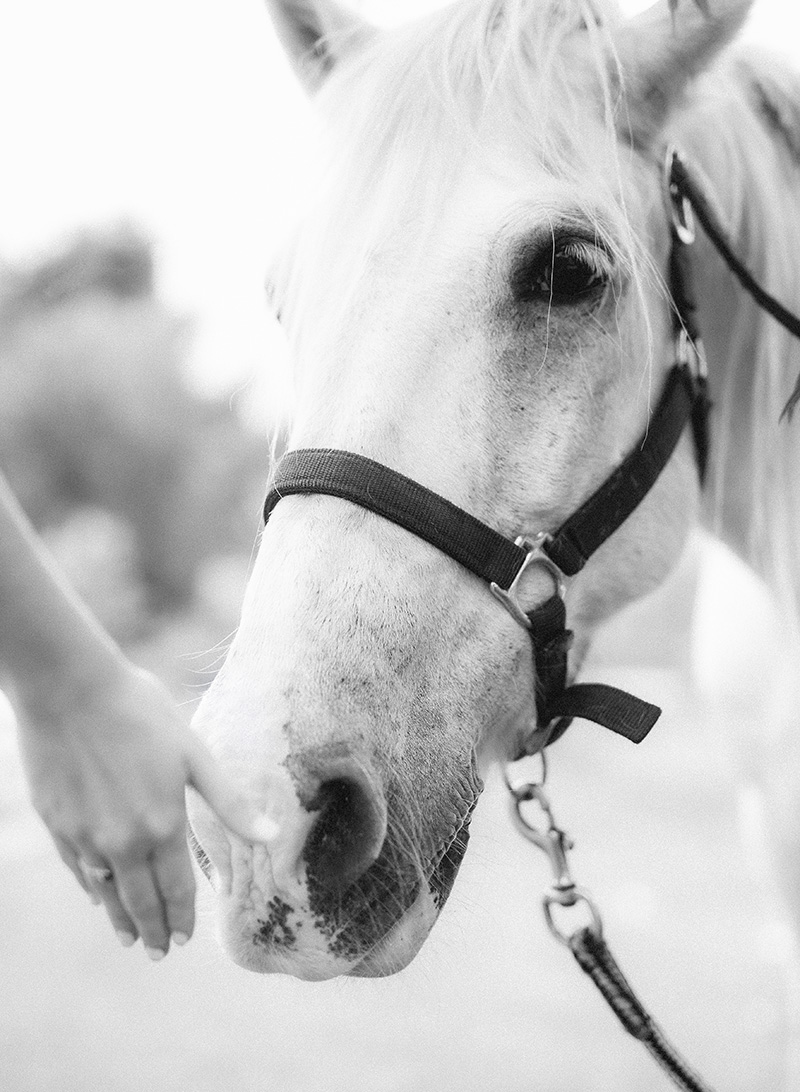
pixel 71 859
pixel 103 884
pixel 172 868
pixel 141 899
pixel 223 797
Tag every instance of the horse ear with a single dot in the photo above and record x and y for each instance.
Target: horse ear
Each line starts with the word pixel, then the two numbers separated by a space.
pixel 316 34
pixel 663 49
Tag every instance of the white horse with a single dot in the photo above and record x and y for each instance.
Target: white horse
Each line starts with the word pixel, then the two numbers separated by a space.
pixel 477 299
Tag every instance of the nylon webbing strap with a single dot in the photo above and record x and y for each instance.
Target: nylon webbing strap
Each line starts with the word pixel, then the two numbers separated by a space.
pixel 608 508
pixel 372 485
pixel 476 546
pixel 551 642
pixel 496 559
pixel 615 709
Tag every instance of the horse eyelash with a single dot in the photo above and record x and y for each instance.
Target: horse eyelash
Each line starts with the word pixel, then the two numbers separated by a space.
pixel 592 254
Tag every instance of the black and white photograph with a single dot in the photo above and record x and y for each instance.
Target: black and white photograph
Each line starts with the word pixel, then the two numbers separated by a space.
pixel 400 546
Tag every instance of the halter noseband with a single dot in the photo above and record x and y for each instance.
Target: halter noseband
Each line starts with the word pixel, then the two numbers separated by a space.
pixel 501 562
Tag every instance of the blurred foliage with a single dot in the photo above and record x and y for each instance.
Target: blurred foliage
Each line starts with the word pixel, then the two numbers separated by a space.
pixel 136 481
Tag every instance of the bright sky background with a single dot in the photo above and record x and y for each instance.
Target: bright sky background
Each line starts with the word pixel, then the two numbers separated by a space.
pixel 181 116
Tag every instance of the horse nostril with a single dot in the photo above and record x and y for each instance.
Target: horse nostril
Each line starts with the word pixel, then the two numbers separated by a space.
pixel 348 834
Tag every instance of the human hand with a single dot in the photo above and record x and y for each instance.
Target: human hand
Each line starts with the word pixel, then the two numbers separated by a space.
pixel 107 769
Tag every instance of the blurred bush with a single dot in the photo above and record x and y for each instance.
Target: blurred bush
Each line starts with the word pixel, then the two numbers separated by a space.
pixel 136 481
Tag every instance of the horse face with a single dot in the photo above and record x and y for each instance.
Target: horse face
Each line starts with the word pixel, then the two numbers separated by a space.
pixel 495 350
pixel 371 675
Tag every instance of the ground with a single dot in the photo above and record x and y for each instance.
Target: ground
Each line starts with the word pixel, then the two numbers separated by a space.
pixel 493 1003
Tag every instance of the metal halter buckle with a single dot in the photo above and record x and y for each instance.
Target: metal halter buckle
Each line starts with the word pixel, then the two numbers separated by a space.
pixel 680 207
pixel 691 354
pixel 535 556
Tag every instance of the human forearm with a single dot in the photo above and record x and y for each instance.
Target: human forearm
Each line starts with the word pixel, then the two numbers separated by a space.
pixel 50 644
pixel 106 750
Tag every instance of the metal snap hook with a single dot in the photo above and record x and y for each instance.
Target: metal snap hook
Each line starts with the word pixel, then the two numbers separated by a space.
pixel 577 897
pixel 556 844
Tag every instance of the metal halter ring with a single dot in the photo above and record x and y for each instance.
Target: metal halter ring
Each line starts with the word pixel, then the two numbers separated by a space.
pixel 574 896
pixel 535 555
pixel 520 786
pixel 97 873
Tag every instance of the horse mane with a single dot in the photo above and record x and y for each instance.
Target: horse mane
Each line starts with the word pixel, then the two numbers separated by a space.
pixel 742 124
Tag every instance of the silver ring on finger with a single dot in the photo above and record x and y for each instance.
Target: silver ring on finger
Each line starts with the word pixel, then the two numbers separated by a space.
pixel 98 873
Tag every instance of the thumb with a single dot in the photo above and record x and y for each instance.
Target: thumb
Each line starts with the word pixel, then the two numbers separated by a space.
pixel 224 798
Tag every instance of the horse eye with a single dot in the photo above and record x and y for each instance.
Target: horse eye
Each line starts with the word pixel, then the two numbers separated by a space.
pixel 572 272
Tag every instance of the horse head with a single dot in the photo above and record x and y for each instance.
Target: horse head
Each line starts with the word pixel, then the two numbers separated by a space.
pixel 475 299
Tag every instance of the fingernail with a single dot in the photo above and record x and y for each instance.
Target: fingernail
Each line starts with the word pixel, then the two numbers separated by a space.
pixel 96 900
pixel 180 938
pixel 127 940
pixel 155 954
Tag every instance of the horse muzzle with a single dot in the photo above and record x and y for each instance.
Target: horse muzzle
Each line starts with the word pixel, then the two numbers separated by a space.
pixel 355 876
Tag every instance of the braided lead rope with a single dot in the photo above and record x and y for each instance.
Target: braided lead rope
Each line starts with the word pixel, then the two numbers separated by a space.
pixel 587 944
pixel 594 957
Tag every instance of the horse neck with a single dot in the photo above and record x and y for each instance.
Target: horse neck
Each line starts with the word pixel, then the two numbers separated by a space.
pixel 753 499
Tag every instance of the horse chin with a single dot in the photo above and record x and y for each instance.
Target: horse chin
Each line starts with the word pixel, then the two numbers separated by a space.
pixel 402 943
pixel 314 962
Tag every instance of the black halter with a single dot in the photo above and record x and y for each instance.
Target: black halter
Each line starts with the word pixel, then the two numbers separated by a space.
pixel 501 562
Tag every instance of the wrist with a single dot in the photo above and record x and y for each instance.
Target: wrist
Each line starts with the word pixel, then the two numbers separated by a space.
pixel 60 684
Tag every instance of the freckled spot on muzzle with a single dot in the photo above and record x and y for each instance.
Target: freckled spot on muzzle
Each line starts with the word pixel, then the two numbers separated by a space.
pixel 276 931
